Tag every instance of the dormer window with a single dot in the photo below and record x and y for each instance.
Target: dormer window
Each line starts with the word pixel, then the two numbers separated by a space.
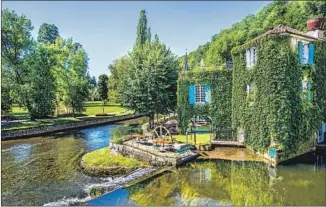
pixel 306 53
pixel 251 57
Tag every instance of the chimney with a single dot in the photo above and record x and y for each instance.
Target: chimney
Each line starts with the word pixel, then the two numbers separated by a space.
pixel 316 27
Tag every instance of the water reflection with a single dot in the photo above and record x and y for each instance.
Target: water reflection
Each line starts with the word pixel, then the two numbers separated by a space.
pixel 224 182
pixel 21 152
pixel 45 169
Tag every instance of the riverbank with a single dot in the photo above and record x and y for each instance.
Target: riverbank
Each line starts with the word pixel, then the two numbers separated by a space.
pixel 102 162
pixel 43 130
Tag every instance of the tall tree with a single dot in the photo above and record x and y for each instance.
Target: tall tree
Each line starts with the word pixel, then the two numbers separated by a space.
pixel 117 68
pixel 103 88
pixel 47 33
pixel 150 87
pixel 72 75
pixel 142 28
pixel 17 44
pixel 42 83
pixel 149 35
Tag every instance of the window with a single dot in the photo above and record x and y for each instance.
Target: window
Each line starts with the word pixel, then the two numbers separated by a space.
pixel 306 85
pixel 250 89
pixel 250 95
pixel 306 53
pixel 251 57
pixel 200 94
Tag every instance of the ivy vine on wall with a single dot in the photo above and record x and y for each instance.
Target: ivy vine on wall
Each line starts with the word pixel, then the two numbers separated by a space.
pixel 219 109
pixel 279 114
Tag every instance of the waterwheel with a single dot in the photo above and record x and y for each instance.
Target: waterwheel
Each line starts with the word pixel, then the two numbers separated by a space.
pixel 162 132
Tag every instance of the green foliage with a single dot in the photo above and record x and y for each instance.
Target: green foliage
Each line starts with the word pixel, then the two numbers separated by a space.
pixel 16 45
pixel 279 115
pixel 42 83
pixel 142 28
pixel 149 75
pixel 103 87
pixel 6 92
pixel 71 74
pixel 149 84
pixel 47 33
pixel 117 68
pixel 320 76
pixel 120 133
pixel 221 91
pixel 293 14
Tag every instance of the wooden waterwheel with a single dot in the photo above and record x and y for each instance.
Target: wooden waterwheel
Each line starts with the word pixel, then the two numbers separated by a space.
pixel 162 132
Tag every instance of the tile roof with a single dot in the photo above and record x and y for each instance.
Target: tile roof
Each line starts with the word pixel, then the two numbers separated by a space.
pixel 285 29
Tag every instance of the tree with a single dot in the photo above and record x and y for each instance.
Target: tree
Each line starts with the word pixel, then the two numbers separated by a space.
pixel 6 96
pixel 71 75
pixel 142 28
pixel 16 47
pixel 150 87
pixel 291 13
pixel 47 33
pixel 42 83
pixel 103 88
pixel 117 68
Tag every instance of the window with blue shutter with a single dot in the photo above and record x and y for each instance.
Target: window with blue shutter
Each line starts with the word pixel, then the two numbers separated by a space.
pixel 207 93
pixel 191 94
pixel 311 54
pixel 300 52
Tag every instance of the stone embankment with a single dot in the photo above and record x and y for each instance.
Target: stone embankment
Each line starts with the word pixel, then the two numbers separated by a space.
pixel 42 130
pixel 157 159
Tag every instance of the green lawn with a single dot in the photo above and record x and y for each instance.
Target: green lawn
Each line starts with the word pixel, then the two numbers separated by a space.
pixel 98 109
pixel 200 138
pixel 103 158
pixel 92 108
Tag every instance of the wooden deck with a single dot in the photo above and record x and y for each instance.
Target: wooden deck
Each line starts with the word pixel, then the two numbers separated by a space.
pixel 227 143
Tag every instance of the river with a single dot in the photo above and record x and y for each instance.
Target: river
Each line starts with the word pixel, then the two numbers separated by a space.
pixel 44 171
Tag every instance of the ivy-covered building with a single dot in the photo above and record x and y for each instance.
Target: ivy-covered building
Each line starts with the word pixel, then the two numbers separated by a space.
pixel 279 89
pixel 274 96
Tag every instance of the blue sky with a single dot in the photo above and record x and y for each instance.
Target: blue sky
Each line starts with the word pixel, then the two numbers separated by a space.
pixel 107 29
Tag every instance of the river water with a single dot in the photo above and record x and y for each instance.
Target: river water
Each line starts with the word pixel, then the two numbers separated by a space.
pixel 44 171
pixel 225 182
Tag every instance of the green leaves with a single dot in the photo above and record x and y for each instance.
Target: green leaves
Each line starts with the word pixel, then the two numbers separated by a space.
pixel 47 33
pixel 293 14
pixel 103 87
pixel 148 82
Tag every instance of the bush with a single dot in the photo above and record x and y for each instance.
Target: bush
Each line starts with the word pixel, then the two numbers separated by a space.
pixel 120 133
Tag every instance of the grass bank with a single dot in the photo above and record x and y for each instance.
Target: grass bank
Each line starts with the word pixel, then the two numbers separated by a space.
pixel 200 138
pixel 21 117
pixel 102 163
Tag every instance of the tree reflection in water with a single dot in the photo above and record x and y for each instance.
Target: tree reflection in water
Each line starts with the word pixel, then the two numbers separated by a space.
pixel 234 183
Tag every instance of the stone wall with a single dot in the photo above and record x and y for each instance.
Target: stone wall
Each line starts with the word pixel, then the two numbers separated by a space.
pixel 42 130
pixel 154 160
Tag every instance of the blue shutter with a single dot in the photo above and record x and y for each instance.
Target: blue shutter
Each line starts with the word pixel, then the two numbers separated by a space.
pixel 272 152
pixel 300 51
pixel 311 54
pixel 207 93
pixel 191 94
